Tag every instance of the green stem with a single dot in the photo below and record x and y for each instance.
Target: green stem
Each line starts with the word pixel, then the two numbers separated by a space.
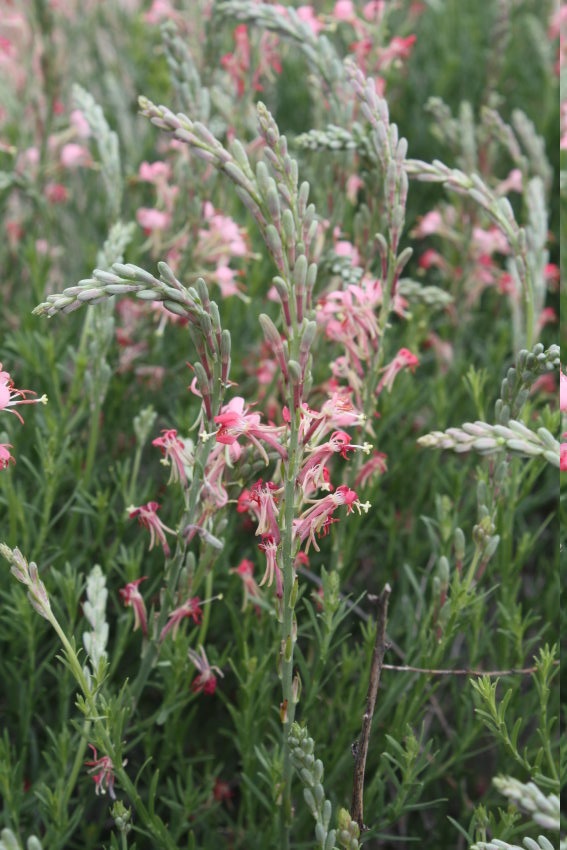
pixel 288 642
pixel 152 823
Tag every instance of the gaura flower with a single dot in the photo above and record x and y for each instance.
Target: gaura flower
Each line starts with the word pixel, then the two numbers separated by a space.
pixel 147 516
pixel 133 599
pixel 174 453
pixel 10 397
pixel 5 456
pixel 205 681
pixel 188 609
pixel 235 421
pixel 318 518
pixel 245 570
pixel 404 358
pixel 103 773
pixel 269 546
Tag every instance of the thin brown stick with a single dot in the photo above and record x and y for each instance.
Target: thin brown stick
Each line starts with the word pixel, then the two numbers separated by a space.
pixel 513 671
pixel 357 807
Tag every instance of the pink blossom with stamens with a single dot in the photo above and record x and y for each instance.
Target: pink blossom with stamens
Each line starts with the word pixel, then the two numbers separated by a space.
pixel 317 518
pixel 189 609
pixel 174 453
pixel 403 359
pixel 103 771
pixel 5 456
pixel 268 510
pixel 147 516
pixel 133 599
pixel 235 421
pixel 375 466
pixel 205 681
pixel 11 397
pixel 563 455
pixel 269 547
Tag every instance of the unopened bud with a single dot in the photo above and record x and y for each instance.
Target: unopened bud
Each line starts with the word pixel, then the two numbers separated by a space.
pixel 203 292
pixel 296 688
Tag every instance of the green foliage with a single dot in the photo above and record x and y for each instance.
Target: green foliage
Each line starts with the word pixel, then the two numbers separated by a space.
pixel 468 543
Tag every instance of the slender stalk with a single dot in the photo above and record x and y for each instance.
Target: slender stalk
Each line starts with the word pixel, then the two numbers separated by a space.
pixel 155 827
pixel 357 807
pixel 288 642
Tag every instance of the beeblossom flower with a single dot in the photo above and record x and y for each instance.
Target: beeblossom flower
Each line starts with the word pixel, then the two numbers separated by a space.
pixel 174 453
pixel 317 519
pixel 147 516
pixel 375 466
pixel 11 397
pixel 269 547
pixel 205 681
pixel 245 571
pixel 133 599
pixel 5 456
pixel 235 421
pixel 103 773
pixel 403 359
pixel 189 609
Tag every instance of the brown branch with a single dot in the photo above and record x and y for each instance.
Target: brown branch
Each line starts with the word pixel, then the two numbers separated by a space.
pixel 513 671
pixel 356 811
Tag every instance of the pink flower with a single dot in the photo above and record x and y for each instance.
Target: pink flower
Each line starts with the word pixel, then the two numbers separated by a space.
pixel 174 454
pixel 56 193
pixel 205 681
pixel 152 220
pixel 318 518
pixel 155 172
pixel 189 609
pixel 403 359
pixel 344 11
pixel 235 422
pixel 147 516
pixel 245 570
pixel 268 510
pixel 74 156
pixel 428 225
pixel 512 183
pixel 374 10
pixel 133 599
pixel 353 184
pixel 103 771
pixel 269 546
pixel 375 466
pixel 11 397
pixel 398 50
pixel 563 455
pixel 80 123
pixel 308 16
pixel 562 391
pixel 5 456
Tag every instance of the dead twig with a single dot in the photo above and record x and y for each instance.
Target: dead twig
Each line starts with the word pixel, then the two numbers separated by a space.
pixel 356 811
pixel 513 671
